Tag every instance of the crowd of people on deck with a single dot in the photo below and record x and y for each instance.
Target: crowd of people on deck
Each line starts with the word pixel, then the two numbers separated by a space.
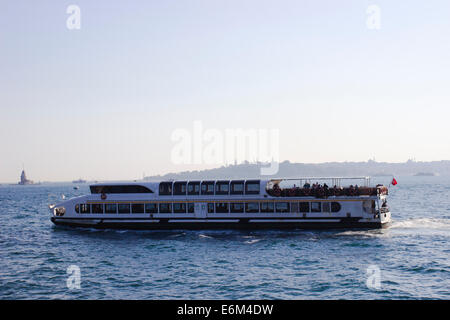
pixel 323 191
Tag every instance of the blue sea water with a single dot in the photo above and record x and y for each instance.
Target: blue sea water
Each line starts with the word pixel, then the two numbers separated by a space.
pixel 412 256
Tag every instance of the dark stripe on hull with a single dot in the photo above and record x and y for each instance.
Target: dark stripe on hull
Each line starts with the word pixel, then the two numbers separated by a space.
pixel 165 225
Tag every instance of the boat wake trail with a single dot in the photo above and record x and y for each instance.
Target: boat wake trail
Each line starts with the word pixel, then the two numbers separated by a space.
pixel 362 233
pixel 205 236
pixel 422 223
pixel 252 241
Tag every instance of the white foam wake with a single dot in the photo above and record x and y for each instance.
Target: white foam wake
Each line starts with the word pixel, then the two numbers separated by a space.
pixel 362 233
pixel 252 241
pixel 422 223
pixel 205 236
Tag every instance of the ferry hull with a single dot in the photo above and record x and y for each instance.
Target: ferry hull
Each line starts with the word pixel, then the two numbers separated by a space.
pixel 241 224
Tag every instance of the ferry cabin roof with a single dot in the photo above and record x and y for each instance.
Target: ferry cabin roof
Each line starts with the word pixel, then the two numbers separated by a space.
pixel 183 188
pixel 218 188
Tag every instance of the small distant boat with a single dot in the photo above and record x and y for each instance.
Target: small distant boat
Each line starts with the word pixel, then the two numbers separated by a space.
pixel 382 174
pixel 79 181
pixel 425 174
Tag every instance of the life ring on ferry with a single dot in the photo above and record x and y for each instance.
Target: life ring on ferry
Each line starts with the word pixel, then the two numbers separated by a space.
pixel 103 196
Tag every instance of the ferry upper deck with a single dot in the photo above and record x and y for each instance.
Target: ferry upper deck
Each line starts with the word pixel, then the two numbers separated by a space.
pixel 280 187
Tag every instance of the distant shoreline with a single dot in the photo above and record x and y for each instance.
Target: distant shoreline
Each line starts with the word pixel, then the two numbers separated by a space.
pixel 290 169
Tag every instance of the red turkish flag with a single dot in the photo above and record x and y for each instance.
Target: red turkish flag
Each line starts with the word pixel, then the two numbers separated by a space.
pixel 394 182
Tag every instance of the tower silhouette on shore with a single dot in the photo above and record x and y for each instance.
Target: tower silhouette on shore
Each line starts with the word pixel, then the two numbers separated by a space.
pixel 23 178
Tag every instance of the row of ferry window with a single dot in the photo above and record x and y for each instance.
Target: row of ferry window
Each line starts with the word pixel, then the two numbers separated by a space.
pixel 250 207
pixel 208 188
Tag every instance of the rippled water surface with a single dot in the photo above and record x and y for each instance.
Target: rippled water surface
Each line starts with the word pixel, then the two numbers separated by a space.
pixel 412 255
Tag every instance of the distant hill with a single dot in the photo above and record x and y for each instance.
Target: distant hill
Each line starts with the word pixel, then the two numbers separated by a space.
pixel 288 169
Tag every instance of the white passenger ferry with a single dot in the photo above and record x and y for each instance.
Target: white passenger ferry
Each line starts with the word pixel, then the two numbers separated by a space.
pixel 305 203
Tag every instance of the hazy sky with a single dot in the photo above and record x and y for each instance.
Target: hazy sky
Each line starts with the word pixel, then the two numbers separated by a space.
pixel 102 102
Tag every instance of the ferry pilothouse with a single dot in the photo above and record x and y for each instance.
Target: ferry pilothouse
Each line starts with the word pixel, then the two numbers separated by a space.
pixel 304 203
